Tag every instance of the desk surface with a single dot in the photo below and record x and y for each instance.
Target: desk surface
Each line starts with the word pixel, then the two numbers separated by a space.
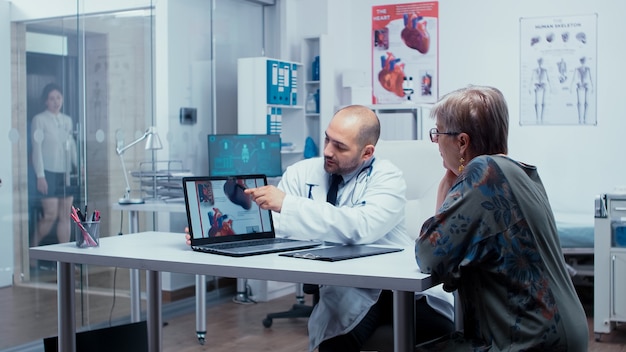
pixel 160 206
pixel 165 251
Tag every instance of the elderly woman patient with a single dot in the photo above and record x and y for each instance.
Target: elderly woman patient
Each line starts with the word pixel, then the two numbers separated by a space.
pixel 494 237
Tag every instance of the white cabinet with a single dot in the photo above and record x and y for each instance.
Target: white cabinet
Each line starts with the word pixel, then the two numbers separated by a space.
pixel 609 303
pixel 618 284
pixel 270 100
pixel 256 103
pixel 320 83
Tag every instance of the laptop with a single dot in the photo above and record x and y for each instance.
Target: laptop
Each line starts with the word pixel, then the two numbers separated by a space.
pixel 223 220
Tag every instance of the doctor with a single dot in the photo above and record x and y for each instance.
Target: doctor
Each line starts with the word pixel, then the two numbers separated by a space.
pixel 369 209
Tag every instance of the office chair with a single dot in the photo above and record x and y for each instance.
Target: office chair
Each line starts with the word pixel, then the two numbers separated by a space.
pixel 300 309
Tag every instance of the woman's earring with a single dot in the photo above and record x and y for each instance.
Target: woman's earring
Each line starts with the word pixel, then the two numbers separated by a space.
pixel 461 167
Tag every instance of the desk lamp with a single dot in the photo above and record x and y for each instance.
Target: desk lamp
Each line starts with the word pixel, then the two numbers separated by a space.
pixel 152 143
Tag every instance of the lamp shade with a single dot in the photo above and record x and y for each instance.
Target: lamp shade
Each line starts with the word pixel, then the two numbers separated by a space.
pixel 153 142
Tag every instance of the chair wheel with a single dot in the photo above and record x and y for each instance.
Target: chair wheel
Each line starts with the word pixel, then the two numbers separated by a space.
pixel 267 322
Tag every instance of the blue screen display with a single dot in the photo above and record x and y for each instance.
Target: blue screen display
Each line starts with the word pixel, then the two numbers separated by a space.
pixel 244 154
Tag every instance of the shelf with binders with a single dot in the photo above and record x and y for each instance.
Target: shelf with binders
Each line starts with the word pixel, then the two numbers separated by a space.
pixel 270 101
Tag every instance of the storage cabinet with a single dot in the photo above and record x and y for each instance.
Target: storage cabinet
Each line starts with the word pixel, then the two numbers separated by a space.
pixel 618 284
pixel 270 100
pixel 315 54
pixel 258 102
pixel 609 264
pixel 311 56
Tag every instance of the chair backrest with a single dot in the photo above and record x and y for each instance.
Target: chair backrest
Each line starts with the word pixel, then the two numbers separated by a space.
pixel 422 167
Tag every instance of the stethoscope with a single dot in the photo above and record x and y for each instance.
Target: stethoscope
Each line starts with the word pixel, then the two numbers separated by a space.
pixel 360 185
pixel 362 179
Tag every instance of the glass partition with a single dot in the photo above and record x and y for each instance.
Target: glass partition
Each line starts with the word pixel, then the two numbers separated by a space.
pixel 86 83
pixel 99 70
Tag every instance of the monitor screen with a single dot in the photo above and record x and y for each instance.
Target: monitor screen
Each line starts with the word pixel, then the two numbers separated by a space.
pixel 244 154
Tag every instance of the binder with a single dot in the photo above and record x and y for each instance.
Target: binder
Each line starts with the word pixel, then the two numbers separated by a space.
pixel 272 82
pixel 279 82
pixel 284 83
pixel 274 120
pixel 294 84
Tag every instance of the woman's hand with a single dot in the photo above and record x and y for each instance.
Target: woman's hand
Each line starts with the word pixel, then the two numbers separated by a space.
pixel 187 236
pixel 446 183
pixel 42 185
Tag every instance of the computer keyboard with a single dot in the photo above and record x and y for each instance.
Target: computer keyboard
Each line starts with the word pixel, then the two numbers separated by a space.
pixel 238 244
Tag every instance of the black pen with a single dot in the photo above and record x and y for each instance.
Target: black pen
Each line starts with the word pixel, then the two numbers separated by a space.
pixel 80 214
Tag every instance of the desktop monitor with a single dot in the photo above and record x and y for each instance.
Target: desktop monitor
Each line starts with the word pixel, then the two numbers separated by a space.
pixel 244 154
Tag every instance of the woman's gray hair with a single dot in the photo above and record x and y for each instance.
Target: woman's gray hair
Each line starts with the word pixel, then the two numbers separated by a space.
pixel 479 111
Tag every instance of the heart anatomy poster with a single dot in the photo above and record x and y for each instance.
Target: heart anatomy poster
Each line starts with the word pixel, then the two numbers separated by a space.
pixel 405 53
pixel 558 70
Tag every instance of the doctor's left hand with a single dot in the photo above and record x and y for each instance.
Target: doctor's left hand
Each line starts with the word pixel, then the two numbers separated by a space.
pixel 267 197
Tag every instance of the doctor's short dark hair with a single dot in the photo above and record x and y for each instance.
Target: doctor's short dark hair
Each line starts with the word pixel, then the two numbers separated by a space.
pixel 47 89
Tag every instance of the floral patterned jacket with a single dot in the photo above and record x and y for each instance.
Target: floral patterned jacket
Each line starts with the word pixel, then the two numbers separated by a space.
pixel 495 240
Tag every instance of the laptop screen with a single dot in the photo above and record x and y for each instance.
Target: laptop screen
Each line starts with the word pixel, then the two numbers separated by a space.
pixel 218 210
pixel 244 154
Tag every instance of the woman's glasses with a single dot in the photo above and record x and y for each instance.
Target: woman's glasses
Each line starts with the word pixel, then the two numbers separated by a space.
pixel 434 134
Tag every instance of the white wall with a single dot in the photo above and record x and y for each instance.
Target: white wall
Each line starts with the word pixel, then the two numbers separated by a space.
pixel 6 177
pixel 183 79
pixel 23 10
pixel 479 44
pixel 575 162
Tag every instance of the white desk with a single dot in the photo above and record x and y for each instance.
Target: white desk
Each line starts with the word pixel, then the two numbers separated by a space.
pixel 133 227
pixel 164 251
pixel 135 291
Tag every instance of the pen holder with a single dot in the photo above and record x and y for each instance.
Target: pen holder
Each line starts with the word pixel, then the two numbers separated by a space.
pixel 88 234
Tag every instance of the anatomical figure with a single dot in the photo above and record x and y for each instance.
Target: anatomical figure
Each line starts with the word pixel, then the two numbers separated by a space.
pixel 220 224
pixel 206 193
pixel 414 34
pixel 391 76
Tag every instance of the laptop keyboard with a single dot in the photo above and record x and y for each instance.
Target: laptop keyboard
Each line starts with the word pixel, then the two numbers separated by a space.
pixel 261 242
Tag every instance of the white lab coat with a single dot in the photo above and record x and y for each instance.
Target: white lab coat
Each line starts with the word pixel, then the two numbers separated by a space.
pixel 370 209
